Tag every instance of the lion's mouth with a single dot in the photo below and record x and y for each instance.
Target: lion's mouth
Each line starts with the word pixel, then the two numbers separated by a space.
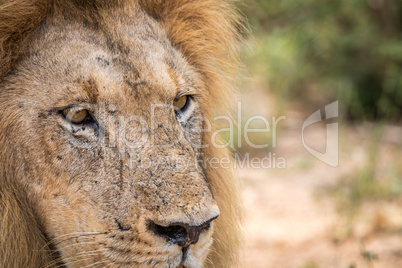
pixel 183 258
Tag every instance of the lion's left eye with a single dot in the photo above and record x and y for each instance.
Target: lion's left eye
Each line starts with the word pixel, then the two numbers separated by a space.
pixel 181 103
pixel 77 116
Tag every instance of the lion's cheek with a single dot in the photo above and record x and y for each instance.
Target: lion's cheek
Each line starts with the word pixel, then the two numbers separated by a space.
pixel 64 214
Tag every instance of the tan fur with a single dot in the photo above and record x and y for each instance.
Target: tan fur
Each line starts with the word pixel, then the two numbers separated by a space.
pixel 34 182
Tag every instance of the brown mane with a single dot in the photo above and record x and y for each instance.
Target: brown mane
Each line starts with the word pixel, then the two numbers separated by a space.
pixel 206 33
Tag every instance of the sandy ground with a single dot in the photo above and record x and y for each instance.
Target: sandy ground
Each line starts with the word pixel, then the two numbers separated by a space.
pixel 287 224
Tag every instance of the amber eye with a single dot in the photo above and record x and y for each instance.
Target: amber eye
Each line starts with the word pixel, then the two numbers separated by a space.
pixel 76 116
pixel 181 103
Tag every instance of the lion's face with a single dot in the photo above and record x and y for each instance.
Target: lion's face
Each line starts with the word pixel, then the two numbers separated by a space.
pixel 112 121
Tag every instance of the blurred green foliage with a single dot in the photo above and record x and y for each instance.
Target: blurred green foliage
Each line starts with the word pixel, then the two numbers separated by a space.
pixel 351 50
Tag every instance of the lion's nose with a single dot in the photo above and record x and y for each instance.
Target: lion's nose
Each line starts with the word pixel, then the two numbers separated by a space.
pixel 180 233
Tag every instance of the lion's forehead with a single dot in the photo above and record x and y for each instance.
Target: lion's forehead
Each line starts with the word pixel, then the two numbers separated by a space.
pixel 127 58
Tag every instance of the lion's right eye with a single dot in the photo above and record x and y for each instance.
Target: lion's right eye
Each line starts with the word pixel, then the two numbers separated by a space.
pixel 77 116
pixel 180 104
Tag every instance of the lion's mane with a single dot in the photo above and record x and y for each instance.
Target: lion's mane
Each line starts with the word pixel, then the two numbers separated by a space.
pixel 205 31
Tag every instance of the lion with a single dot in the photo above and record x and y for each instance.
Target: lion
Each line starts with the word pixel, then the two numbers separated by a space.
pixel 105 121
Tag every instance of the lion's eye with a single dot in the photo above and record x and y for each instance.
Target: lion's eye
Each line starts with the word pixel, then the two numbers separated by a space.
pixel 76 116
pixel 181 103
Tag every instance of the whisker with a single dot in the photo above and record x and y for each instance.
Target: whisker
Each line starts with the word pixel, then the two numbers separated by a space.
pixel 108 264
pixel 71 262
pixel 84 254
pixel 96 263
pixel 78 244
pixel 73 235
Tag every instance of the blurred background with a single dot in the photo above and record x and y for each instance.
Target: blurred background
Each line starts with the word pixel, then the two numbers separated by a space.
pixel 301 56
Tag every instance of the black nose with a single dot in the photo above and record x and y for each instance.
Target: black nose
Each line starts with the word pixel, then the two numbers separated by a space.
pixel 180 233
